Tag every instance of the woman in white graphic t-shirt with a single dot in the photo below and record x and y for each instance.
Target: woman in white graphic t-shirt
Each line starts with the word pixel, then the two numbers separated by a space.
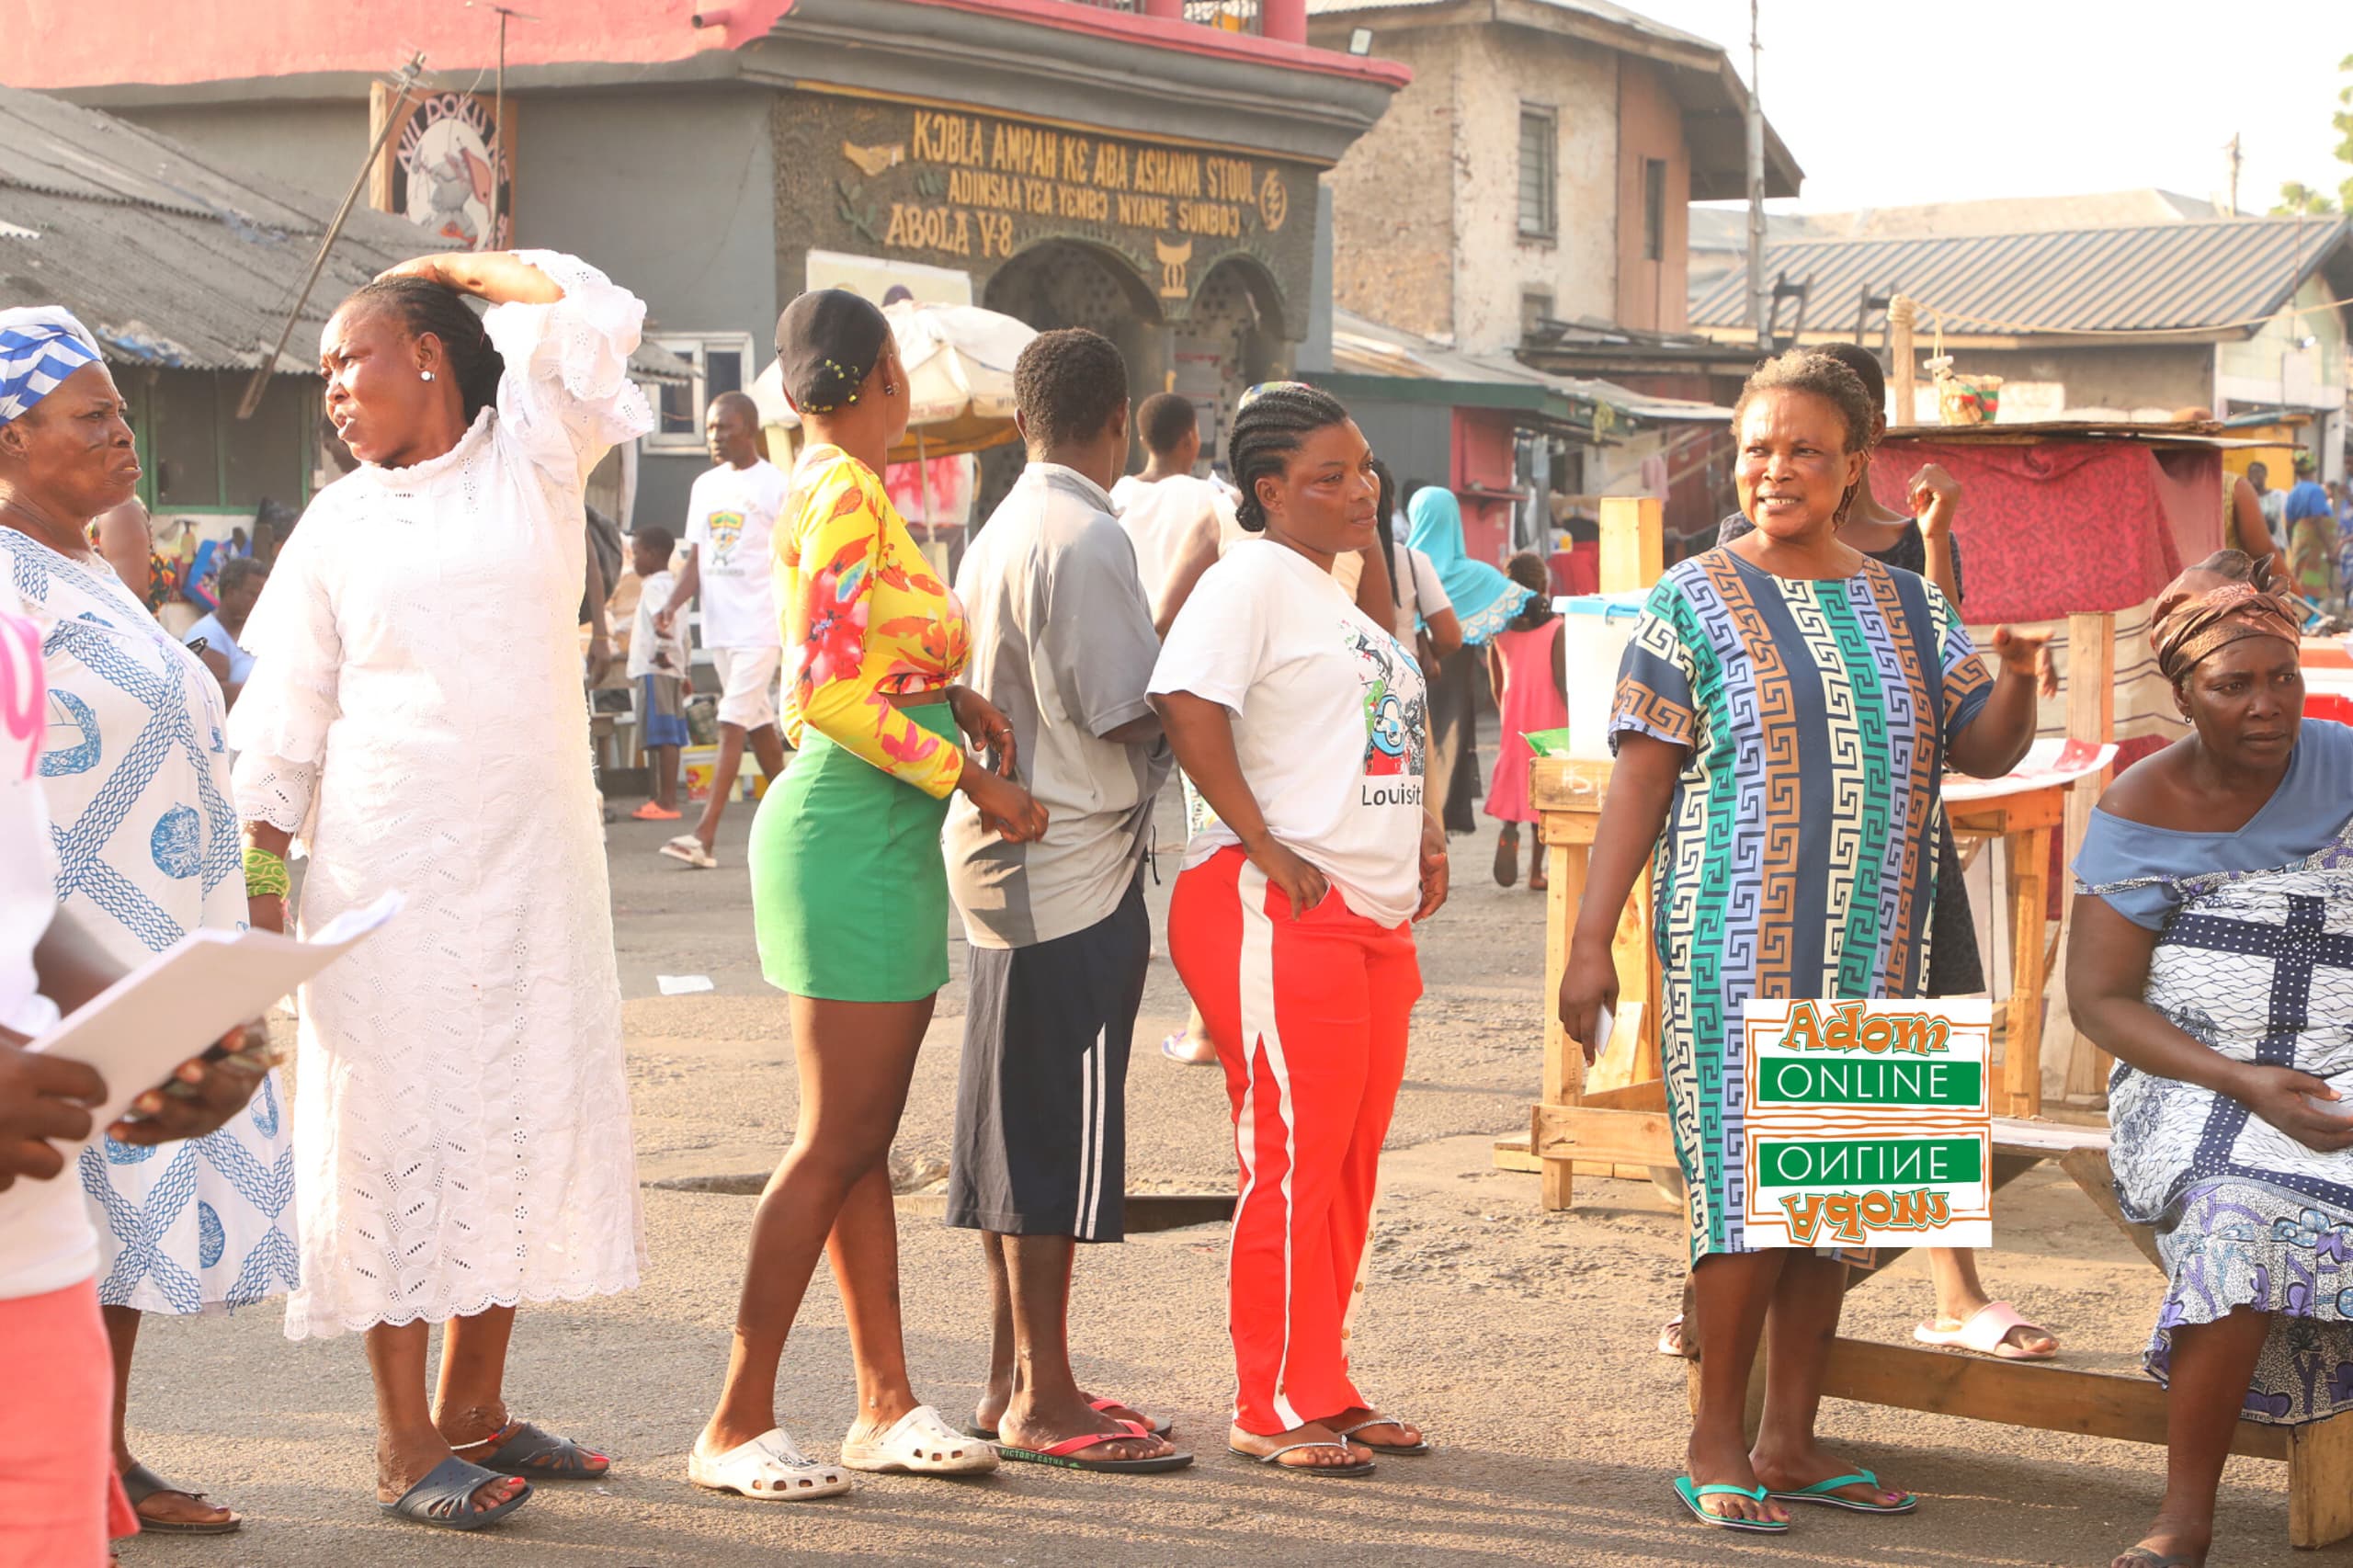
pixel 1302 722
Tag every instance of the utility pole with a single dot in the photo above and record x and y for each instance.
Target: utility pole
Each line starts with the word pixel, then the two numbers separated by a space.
pixel 403 80
pixel 498 116
pixel 2236 159
pixel 1757 310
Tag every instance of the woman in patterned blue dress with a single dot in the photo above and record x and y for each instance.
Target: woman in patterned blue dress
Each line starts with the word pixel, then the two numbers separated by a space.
pixel 1784 711
pixel 148 850
pixel 2214 960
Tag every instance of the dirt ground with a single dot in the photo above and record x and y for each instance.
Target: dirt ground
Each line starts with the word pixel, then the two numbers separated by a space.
pixel 1522 1341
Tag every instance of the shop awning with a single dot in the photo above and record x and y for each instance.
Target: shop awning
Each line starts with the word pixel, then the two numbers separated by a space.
pixel 1378 363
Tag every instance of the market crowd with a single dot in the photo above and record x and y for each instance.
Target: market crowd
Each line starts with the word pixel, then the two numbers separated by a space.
pixel 1300 640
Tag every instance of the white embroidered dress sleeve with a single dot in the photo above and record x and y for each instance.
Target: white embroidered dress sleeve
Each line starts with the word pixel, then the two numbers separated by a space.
pixel 461 1120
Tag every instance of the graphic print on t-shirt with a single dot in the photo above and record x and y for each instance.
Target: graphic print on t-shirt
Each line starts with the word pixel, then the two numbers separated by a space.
pixel 1395 722
pixel 726 528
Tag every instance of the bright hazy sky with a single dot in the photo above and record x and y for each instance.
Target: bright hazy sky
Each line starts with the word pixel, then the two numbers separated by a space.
pixel 1891 102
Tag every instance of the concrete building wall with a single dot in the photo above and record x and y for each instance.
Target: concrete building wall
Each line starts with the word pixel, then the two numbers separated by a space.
pixel 670 193
pixel 2170 377
pixel 1393 195
pixel 1501 70
pixel 1653 291
pixel 314 145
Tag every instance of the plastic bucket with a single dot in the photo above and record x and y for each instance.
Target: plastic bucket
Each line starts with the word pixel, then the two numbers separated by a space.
pixel 1595 630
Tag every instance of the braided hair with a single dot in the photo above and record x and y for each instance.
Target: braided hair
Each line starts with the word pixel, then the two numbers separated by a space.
pixel 425 308
pixel 1269 427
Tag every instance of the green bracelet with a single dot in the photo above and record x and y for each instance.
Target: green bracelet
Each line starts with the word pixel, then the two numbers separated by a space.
pixel 266 874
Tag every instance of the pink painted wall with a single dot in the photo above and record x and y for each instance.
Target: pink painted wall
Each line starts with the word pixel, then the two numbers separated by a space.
pixel 77 43
pixel 85 43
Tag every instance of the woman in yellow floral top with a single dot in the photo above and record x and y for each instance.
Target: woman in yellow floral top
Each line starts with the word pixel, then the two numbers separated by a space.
pixel 849 897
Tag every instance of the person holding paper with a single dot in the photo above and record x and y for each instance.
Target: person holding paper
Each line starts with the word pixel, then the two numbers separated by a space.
pixel 61 1490
pixel 2211 959
pixel 136 778
pixel 413 713
pixel 1784 710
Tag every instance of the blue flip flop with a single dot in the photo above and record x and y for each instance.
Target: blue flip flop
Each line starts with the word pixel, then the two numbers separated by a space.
pixel 444 1499
pixel 1691 1495
pixel 1826 1492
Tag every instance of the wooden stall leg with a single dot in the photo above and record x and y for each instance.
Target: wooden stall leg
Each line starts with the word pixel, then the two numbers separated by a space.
pixel 2030 877
pixel 1564 1060
pixel 2320 1482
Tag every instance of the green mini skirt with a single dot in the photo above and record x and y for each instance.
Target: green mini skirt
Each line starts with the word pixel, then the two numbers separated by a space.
pixel 849 885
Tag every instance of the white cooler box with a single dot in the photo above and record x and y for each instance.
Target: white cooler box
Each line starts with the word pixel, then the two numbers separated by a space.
pixel 1594 631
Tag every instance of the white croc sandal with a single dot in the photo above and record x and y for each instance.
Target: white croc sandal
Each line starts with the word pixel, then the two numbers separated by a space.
pixel 920 1444
pixel 768 1467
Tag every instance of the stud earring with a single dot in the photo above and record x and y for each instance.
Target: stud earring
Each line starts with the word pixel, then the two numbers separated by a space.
pixel 425 375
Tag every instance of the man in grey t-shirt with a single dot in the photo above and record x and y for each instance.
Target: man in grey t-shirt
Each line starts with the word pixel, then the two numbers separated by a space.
pixel 1062 643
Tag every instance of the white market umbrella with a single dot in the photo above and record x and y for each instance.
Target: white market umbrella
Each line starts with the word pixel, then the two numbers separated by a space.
pixel 959 361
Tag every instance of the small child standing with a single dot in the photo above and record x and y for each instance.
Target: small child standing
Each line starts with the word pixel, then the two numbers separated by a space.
pixel 657 668
pixel 1523 665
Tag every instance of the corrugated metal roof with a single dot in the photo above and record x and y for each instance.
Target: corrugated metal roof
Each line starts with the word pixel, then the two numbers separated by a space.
pixel 171 259
pixel 2145 277
pixel 1362 347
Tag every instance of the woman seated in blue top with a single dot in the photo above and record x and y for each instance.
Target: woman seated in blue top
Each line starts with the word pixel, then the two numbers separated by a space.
pixel 2214 960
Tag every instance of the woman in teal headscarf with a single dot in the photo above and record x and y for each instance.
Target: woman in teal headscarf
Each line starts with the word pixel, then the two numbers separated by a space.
pixel 1484 601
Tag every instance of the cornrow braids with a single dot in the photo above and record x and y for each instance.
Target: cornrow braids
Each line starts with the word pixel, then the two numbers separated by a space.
pixel 1269 426
pixel 425 308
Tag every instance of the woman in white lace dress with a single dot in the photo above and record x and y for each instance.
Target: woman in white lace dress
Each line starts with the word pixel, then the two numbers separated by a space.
pixel 461 1115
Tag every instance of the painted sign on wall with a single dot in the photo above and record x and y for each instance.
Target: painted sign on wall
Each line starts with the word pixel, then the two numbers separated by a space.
pixel 447 168
pixel 1867 1123
pixel 951 188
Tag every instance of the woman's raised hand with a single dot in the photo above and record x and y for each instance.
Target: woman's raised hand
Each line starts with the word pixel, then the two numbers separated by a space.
pixel 2026 653
pixel 2283 1096
pixel 1007 809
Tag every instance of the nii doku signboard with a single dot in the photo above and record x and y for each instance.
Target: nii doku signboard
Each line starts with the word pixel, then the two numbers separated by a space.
pixel 1867 1123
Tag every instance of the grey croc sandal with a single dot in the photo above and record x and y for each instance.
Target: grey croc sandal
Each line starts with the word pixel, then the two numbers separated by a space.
pixel 444 1499
pixel 1357 1471
pixel 1394 1450
pixel 138 1483
pixel 520 1448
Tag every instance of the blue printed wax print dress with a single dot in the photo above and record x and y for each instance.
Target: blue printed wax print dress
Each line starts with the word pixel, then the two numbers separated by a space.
pixel 136 776
pixel 2257 965
pixel 1799 855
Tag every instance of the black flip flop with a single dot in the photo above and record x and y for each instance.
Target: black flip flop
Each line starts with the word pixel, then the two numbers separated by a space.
pixel 520 1448
pixel 1165 1427
pixel 444 1499
pixel 138 1483
pixel 1066 1454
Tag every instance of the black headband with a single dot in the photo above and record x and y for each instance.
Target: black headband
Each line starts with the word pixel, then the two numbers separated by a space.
pixel 828 341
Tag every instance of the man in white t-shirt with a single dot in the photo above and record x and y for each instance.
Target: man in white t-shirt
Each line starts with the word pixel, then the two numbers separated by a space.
pixel 729 517
pixel 1170 515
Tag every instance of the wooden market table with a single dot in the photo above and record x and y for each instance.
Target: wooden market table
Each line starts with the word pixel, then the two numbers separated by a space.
pixel 1614 1121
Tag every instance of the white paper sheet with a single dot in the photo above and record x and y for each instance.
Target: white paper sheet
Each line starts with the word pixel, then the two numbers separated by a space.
pixel 180 1002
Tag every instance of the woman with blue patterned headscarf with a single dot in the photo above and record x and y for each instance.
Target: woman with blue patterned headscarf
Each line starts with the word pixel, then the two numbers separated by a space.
pixel 136 777
pixel 1484 601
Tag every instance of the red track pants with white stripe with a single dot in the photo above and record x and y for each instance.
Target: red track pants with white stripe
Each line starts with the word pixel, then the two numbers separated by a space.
pixel 1309 1017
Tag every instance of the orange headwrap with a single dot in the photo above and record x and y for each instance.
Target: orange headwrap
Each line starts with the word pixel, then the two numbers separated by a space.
pixel 2209 607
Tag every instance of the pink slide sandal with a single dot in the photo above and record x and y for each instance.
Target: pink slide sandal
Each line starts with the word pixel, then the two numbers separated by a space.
pixel 1987 1334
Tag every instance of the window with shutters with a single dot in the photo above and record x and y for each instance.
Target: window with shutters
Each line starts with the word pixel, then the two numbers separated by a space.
pixel 1537 134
